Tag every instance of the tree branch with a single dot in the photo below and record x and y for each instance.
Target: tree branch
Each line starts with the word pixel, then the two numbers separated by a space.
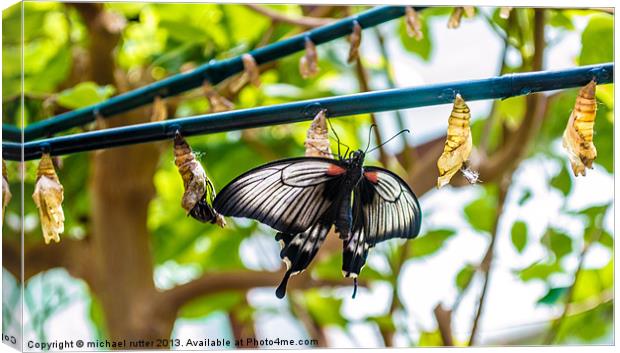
pixel 105 29
pixel 314 330
pixel 485 265
pixel 211 283
pixel 303 21
pixel 362 79
pixel 504 163
pixel 389 76
pixel 70 254
pixel 555 327
pixel 444 323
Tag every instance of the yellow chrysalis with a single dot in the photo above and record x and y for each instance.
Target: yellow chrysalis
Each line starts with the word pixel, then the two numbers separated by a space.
pixel 355 39
pixel 458 144
pixel 470 11
pixel 504 12
pixel 455 18
pixel 577 138
pixel 198 187
pixel 160 111
pixel 413 24
pixel 317 138
pixel 6 193
pixel 48 196
pixel 251 74
pixel 309 63
pixel 217 102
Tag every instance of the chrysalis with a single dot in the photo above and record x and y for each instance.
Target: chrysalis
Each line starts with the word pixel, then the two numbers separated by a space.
pixel 317 139
pixel 100 122
pixel 413 24
pixel 470 11
pixel 458 144
pixel 504 12
pixel 48 197
pixel 6 193
pixel 250 74
pixel 309 63
pixel 217 102
pixel 160 112
pixel 355 39
pixel 577 138
pixel 251 69
pixel 455 18
pixel 198 188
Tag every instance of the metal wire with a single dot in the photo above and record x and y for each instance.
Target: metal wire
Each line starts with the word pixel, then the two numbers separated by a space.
pixel 369 102
pixel 213 72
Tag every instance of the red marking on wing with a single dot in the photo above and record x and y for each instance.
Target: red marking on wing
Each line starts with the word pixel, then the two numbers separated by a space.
pixel 372 177
pixel 335 170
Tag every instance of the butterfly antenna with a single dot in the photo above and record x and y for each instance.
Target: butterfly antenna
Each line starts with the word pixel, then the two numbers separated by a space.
pixel 354 288
pixel 337 138
pixel 390 139
pixel 369 132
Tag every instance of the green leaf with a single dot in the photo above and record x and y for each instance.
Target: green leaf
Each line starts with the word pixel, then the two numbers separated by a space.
pixel 558 18
pixel 324 309
pixel 597 40
pixel 465 275
pixel 422 48
pixel 589 285
pixel 97 317
pixel 481 213
pixel 205 305
pixel 539 270
pixel 518 235
pixel 553 295
pixel 385 322
pixel 590 326
pixel 525 197
pixel 430 243
pixel 430 339
pixel 84 94
pixel 562 181
pixel 512 110
pixel 183 31
pixel 604 137
pixel 605 93
pixel 558 242
pixel 595 214
pixel 606 239
pixel 223 252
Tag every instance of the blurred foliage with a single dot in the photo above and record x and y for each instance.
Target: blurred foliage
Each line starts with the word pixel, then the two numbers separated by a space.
pixel 160 40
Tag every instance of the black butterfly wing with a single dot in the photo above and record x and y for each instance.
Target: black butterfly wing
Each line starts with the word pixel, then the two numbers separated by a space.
pixel 384 207
pixel 289 195
pixel 298 250
pixel 391 209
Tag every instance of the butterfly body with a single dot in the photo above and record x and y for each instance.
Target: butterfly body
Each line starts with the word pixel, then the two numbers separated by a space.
pixel 302 198
pixel 352 174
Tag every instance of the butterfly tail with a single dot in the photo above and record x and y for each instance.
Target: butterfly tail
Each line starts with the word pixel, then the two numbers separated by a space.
pixel 354 254
pixel 298 250
pixel 281 290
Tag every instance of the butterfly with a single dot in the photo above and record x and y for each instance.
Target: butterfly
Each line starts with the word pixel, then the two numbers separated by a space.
pixel 303 197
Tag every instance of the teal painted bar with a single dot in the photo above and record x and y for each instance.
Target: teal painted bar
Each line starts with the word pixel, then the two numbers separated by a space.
pixel 402 98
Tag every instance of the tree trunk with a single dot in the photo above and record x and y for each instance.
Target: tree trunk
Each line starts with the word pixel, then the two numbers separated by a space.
pixel 121 188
